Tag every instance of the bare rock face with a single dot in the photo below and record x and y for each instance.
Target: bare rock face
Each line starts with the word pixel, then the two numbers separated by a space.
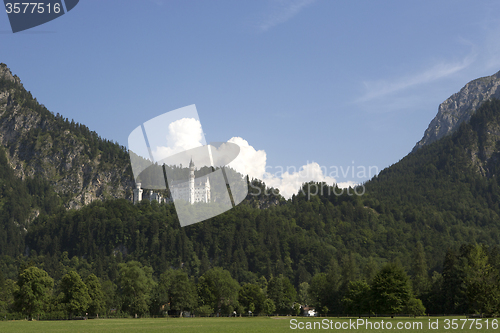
pixel 459 107
pixel 6 74
pixel 38 143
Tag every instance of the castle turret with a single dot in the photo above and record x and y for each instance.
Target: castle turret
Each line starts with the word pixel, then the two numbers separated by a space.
pixel 207 191
pixel 191 182
pixel 137 193
pixel 153 196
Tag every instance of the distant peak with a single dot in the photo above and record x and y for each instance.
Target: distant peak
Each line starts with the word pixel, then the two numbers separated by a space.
pixel 6 74
pixel 459 107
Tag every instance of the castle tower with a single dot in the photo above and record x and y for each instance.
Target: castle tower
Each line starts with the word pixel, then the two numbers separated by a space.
pixel 191 182
pixel 207 191
pixel 137 193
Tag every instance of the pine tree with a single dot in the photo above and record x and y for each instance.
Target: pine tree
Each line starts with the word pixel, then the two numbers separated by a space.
pixel 420 278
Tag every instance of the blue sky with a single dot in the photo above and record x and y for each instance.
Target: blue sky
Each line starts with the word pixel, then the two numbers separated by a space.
pixel 338 83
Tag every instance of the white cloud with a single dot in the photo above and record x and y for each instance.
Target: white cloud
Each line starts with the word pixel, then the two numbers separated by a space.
pixel 252 162
pixel 249 162
pixel 183 134
pixel 290 182
pixel 284 11
pixel 381 88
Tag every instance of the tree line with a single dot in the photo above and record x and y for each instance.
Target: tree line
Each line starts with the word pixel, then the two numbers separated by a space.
pixel 469 283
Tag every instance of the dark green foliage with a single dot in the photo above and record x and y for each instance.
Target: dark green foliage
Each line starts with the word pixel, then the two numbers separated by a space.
pixel 424 198
pixel 8 288
pixel 282 293
pixel 268 307
pixel 326 290
pixel 482 282
pixel 76 295
pixel 420 277
pixel 136 284
pixel 303 294
pixel 446 193
pixel 180 290
pixel 391 290
pixel 111 296
pixel 217 289
pixel 20 201
pixel 319 291
pixel 357 298
pixel 414 307
pixel 35 288
pixel 97 303
pixel 453 289
pixel 470 284
pixel 252 297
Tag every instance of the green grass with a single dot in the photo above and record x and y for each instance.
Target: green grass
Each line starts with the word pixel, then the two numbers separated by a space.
pixel 239 325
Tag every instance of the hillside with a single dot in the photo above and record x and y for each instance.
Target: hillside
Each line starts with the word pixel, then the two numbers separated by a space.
pixel 79 165
pixel 459 107
pixel 447 190
pixel 444 195
pixel 433 200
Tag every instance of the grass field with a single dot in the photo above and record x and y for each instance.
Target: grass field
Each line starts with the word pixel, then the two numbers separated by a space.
pixel 241 325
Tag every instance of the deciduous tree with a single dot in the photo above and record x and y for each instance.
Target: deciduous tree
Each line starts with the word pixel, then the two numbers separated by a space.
pixel 35 288
pixel 136 283
pixel 391 289
pixel 97 300
pixel 76 295
pixel 180 290
pixel 218 289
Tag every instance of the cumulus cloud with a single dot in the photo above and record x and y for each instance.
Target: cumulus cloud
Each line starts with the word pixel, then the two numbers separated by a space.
pixel 183 134
pixel 186 133
pixel 291 181
pixel 288 180
pixel 250 161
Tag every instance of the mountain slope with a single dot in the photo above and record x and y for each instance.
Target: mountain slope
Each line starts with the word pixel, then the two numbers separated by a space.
pixel 443 195
pixel 459 107
pixel 80 165
pixel 450 186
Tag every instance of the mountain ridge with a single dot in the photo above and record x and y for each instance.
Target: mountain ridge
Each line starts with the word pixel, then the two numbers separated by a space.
pixel 77 162
pixel 459 107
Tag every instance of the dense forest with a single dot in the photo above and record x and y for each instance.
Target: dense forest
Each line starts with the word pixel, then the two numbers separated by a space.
pixel 430 221
pixel 468 284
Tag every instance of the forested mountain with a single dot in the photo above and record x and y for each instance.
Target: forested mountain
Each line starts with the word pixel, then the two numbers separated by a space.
pixel 443 195
pixel 447 190
pixel 459 107
pixel 413 215
pixel 81 166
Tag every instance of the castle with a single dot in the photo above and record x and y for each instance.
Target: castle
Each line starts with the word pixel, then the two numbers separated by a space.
pixel 192 191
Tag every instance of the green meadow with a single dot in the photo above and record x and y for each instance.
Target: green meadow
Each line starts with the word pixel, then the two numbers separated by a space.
pixel 255 324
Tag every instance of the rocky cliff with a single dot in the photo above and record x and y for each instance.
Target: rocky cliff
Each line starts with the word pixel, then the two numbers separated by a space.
pixel 459 107
pixel 80 165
